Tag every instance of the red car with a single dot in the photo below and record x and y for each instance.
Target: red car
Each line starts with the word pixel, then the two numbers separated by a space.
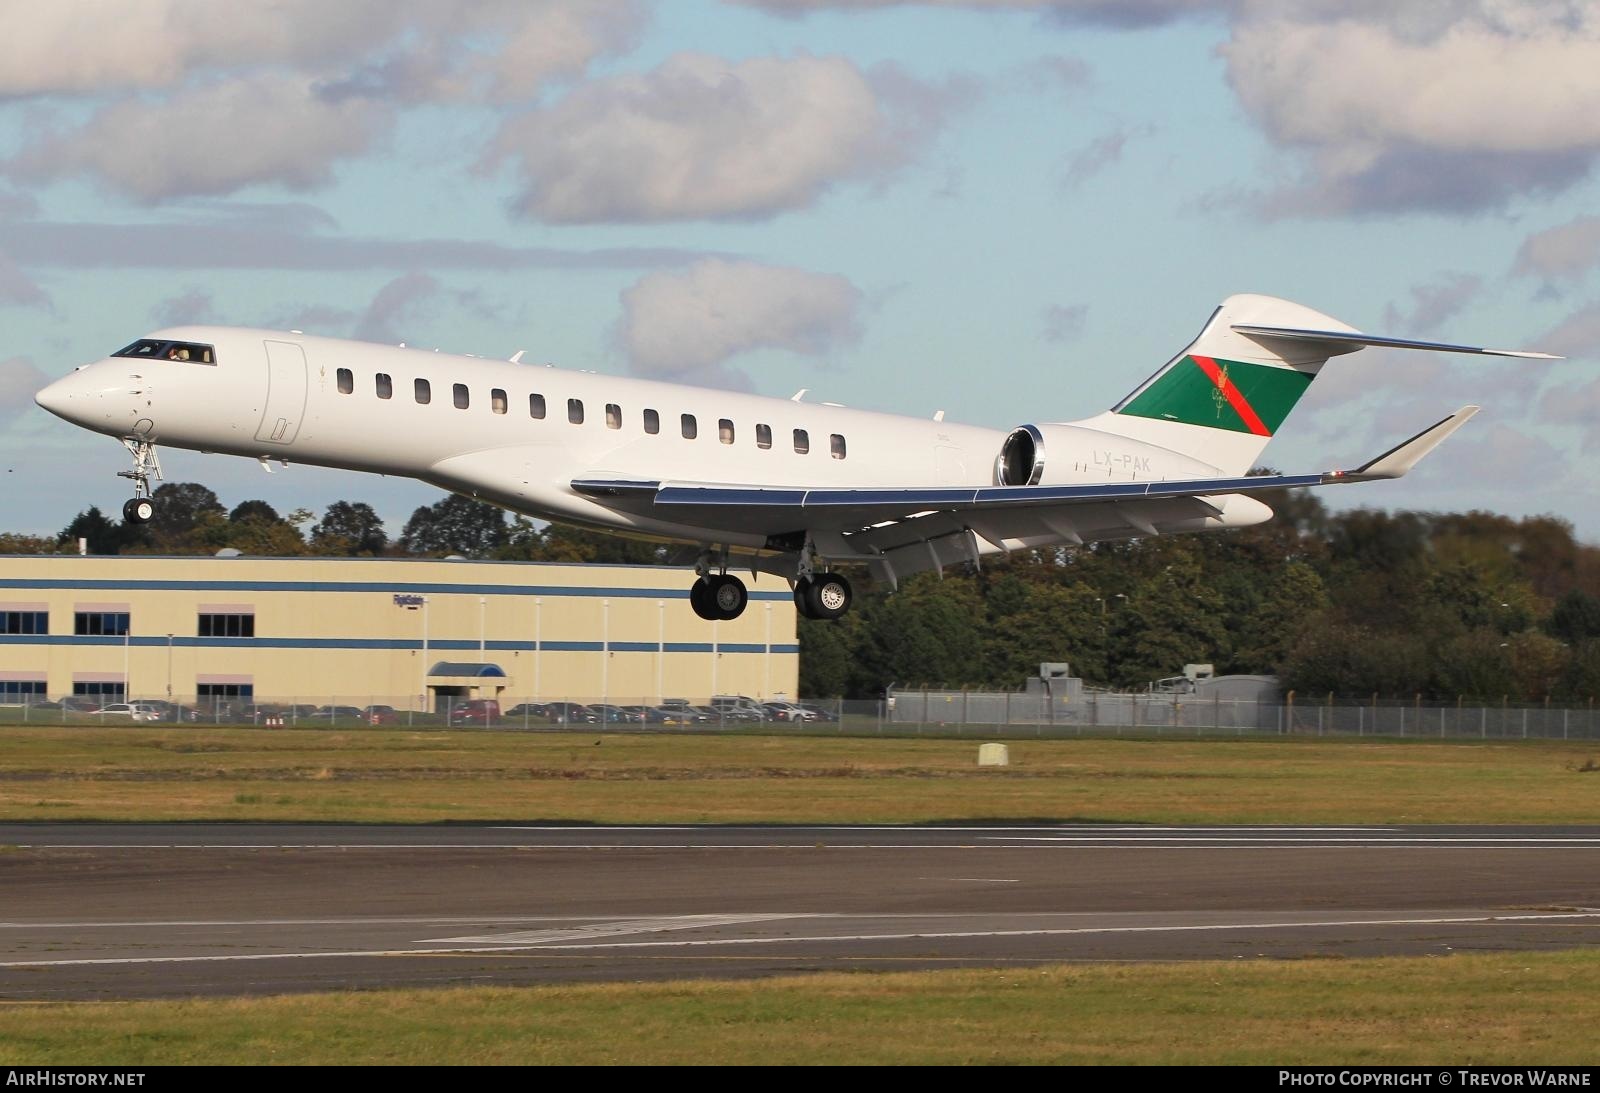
pixel 475 711
pixel 381 715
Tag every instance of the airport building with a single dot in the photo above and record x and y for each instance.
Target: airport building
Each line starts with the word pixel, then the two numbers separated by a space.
pixel 412 633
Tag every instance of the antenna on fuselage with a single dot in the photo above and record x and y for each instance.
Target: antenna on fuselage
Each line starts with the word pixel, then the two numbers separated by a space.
pixel 798 395
pixel 516 358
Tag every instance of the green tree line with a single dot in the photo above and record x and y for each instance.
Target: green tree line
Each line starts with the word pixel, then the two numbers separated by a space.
pixel 1443 605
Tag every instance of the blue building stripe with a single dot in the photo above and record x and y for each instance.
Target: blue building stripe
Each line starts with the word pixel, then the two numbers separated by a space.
pixel 434 644
pixel 379 587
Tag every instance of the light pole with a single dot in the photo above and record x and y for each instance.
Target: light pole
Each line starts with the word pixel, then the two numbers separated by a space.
pixel 483 608
pixel 768 658
pixel 605 651
pixel 423 696
pixel 538 643
pixel 661 647
pixel 127 684
pixel 169 665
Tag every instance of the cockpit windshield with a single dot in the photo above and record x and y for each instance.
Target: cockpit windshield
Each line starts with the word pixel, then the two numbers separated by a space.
pixel 156 350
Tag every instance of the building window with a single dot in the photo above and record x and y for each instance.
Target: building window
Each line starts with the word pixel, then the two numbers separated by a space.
pixel 458 392
pixel 652 422
pixel 230 625
pixel 24 622
pixel 385 386
pixel 347 381
pixel 19 691
pixel 802 441
pixel 763 436
pixel 836 446
pixel 225 690
pixel 536 406
pixel 725 431
pixel 690 429
pixel 613 416
pixel 497 401
pixel 575 411
pixel 100 623
pixel 424 392
pixel 107 690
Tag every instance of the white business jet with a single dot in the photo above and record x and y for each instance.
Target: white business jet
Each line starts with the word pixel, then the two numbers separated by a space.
pixel 781 486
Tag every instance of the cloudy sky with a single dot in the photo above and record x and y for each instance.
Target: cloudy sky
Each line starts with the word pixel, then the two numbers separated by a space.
pixel 1009 210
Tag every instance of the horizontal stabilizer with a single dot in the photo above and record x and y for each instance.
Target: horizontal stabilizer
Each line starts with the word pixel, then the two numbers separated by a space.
pixel 1343 341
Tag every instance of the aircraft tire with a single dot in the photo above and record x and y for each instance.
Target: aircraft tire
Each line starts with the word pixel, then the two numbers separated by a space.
pixel 728 596
pixel 701 600
pixel 827 596
pixel 138 510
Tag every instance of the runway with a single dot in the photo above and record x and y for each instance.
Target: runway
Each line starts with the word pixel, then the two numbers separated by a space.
pixel 114 911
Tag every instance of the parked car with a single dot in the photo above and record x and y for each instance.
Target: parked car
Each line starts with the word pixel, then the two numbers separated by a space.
pixel 134 711
pixel 738 708
pixel 173 711
pixel 675 715
pixel 570 713
pixel 337 713
pixel 611 715
pixel 787 711
pixel 636 715
pixel 380 715
pixel 819 712
pixel 523 711
pixel 475 711
pixel 80 704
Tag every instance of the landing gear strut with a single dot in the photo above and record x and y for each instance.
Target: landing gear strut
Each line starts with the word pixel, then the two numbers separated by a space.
pixel 139 508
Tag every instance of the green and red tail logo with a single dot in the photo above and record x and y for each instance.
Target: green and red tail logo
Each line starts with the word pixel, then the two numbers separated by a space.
pixel 1236 395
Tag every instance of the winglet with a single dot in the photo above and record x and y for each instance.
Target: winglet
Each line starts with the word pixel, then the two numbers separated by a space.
pixel 1398 460
pixel 1342 341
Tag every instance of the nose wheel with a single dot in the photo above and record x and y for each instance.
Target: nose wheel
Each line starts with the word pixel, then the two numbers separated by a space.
pixel 139 508
pixel 718 596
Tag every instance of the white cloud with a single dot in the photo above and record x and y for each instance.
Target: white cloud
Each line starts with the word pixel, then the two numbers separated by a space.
pixel 1064 323
pixel 404 299
pixel 1567 251
pixel 19 381
pixel 701 137
pixel 211 140
pixel 1578 335
pixel 1113 12
pixel 1434 302
pixel 686 324
pixel 16 287
pixel 1448 107
pixel 192 306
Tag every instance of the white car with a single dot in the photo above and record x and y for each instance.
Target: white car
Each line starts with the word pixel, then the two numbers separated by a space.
pixel 134 711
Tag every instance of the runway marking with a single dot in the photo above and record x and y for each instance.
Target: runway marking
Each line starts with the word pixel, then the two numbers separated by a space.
pixel 1017 842
pixel 613 929
pixel 411 920
pixel 711 942
pixel 977 880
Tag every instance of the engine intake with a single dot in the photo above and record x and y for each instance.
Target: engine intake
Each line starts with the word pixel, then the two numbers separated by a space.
pixel 1021 460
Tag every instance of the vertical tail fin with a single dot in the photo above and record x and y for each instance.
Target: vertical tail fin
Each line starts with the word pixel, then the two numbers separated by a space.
pixel 1222 398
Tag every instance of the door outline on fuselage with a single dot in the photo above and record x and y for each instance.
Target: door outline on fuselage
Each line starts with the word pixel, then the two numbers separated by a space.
pixel 286 393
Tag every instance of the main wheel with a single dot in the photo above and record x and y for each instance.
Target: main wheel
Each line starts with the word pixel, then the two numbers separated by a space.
pixel 802 588
pixel 700 599
pixel 728 596
pixel 827 596
pixel 138 510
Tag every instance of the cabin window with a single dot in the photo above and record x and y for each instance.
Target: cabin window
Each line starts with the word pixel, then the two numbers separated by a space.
pixel 613 416
pixel 836 446
pixel 763 436
pixel 725 431
pixel 690 428
pixel 151 349
pixel 346 381
pixel 575 411
pixel 802 441
pixel 536 406
pixel 497 401
pixel 385 386
pixel 424 392
pixel 458 391
pixel 652 422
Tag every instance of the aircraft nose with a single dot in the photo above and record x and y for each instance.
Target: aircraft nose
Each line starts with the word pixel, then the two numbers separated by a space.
pixel 64 396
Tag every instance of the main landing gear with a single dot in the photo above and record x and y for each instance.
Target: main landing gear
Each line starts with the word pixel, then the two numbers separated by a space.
pixel 718 596
pixel 822 595
pixel 139 508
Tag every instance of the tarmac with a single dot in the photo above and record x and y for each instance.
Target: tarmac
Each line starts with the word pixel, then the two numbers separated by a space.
pixel 122 911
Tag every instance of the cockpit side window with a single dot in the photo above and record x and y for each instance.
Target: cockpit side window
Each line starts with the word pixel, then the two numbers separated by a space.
pixel 153 349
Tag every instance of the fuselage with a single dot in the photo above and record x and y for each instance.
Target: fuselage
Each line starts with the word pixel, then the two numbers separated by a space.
pixel 519 434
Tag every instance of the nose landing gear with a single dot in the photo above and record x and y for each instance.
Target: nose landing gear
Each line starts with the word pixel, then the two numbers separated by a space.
pixel 139 508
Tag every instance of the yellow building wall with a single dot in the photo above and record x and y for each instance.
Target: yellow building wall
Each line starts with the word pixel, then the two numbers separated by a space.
pixel 330 630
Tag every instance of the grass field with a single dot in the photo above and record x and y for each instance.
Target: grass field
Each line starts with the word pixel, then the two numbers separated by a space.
pixel 388 776
pixel 1536 1008
pixel 1533 1008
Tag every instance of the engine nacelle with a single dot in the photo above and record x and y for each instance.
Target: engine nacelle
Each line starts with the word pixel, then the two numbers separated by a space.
pixel 1060 455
